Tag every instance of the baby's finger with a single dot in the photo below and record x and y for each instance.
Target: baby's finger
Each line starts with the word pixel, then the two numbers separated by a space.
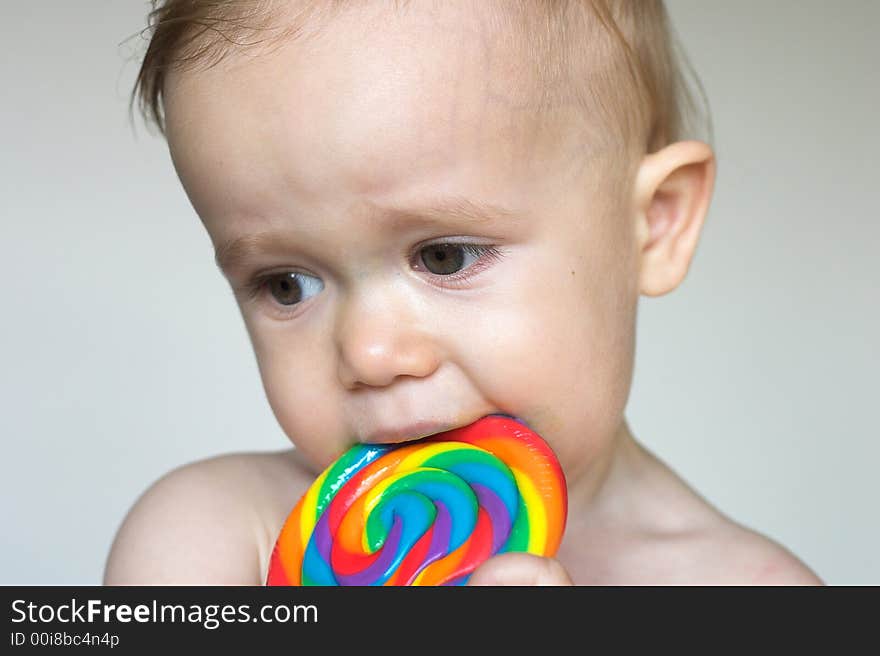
pixel 520 569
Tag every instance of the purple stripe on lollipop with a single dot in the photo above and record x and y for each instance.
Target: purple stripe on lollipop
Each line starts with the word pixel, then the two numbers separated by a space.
pixel 499 518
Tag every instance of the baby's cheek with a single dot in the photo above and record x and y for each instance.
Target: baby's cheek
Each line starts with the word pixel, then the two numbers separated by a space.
pixel 559 365
pixel 517 358
pixel 294 380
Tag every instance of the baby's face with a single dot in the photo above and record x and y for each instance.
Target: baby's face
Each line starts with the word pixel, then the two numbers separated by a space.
pixel 345 172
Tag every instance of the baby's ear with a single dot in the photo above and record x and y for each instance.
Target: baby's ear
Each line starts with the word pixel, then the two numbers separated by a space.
pixel 672 194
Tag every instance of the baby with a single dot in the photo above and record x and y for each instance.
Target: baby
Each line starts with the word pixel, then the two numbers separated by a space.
pixel 430 212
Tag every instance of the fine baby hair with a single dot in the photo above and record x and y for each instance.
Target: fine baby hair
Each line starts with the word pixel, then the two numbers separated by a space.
pixel 618 61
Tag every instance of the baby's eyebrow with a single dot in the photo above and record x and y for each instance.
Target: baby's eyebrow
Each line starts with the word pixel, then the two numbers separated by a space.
pixel 456 209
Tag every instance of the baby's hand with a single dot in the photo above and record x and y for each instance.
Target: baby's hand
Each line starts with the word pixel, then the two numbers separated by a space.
pixel 515 568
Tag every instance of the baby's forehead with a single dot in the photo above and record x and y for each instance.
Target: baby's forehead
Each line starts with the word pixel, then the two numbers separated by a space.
pixel 364 110
pixel 371 110
pixel 483 53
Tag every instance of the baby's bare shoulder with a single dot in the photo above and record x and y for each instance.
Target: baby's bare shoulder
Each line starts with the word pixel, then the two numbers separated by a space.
pixel 672 535
pixel 719 552
pixel 207 522
pixel 735 555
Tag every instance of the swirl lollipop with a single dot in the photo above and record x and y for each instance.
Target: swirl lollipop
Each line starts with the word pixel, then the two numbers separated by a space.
pixel 426 512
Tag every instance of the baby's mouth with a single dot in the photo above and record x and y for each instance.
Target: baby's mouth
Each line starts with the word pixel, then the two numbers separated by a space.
pixel 421 430
pixel 407 433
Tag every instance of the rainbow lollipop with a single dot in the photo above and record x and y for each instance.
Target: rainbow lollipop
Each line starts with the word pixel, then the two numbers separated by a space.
pixel 426 512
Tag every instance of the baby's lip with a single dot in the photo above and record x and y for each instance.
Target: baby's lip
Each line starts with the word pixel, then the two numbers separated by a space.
pixel 423 429
pixel 407 432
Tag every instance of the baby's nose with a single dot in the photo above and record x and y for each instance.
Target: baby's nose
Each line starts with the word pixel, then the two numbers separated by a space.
pixel 379 341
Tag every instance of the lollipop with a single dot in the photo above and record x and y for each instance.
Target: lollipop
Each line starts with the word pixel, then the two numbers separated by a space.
pixel 426 512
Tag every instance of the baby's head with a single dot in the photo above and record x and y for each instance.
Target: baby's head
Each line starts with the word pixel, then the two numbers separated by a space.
pixel 435 211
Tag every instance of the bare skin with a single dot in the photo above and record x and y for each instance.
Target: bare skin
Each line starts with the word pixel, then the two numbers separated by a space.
pixel 316 144
pixel 669 535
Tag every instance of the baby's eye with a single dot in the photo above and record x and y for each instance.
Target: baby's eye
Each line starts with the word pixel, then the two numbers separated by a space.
pixel 447 259
pixel 290 288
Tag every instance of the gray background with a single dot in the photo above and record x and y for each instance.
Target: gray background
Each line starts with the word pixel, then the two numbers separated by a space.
pixel 123 354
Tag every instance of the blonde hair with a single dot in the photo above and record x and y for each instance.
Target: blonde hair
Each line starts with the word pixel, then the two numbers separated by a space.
pixel 620 61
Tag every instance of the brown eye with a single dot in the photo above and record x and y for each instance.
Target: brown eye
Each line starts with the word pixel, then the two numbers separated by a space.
pixel 443 259
pixel 290 288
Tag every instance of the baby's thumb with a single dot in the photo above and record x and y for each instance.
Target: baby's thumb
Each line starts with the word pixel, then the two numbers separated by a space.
pixel 520 569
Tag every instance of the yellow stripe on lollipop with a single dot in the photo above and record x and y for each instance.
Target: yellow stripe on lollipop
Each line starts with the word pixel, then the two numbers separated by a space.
pixel 374 494
pixel 308 519
pixel 536 511
pixel 427 451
